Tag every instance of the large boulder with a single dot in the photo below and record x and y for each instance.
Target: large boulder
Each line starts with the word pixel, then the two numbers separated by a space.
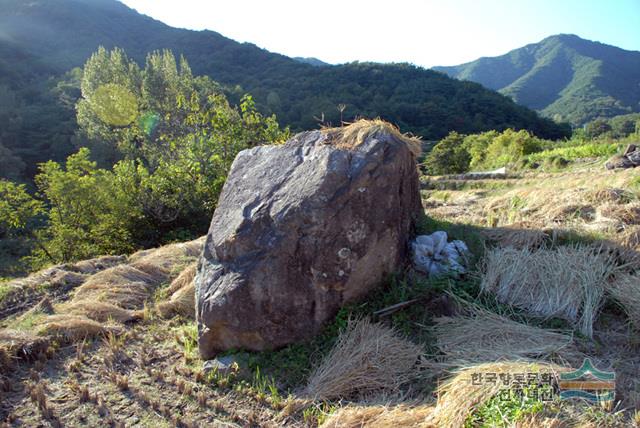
pixel 300 230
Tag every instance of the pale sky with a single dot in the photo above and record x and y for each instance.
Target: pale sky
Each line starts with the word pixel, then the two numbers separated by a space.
pixel 422 32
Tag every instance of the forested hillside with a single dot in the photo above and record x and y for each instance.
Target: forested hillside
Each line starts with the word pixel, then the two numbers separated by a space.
pixel 564 77
pixel 42 41
pixel 37 119
pixel 157 145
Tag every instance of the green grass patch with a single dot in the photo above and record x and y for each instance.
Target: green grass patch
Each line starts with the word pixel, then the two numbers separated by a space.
pixel 292 364
pixel 509 406
pixel 187 336
pixel 27 322
pixel 440 195
pixel 589 150
pixel 574 237
pixel 5 290
pixel 316 415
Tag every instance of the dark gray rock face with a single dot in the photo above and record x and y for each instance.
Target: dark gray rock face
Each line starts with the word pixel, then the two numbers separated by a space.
pixel 629 159
pixel 300 230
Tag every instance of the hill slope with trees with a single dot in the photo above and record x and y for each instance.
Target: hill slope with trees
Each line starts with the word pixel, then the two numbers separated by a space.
pixel 46 39
pixel 563 76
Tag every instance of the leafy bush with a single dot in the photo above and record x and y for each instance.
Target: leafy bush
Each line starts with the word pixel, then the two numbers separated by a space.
pixel 19 214
pixel 174 137
pixel 457 153
pixel 589 150
pixel 90 212
pixel 449 156
pixel 510 146
pixel 520 149
pixel 620 126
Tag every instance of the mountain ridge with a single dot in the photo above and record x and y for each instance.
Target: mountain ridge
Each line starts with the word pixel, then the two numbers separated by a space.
pixel 563 76
pixel 44 39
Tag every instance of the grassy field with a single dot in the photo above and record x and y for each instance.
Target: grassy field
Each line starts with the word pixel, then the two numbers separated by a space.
pixel 553 279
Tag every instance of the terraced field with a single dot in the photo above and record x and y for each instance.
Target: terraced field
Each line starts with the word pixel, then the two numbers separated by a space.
pixel 113 341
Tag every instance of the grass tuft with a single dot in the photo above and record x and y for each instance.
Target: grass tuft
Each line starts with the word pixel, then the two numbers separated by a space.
pixel 566 282
pixel 367 358
pixel 478 335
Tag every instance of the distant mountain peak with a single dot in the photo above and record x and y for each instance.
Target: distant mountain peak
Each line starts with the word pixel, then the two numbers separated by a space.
pixel 311 61
pixel 563 76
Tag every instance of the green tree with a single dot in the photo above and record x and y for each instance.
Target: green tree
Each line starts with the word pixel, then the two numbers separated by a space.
pixel 183 183
pixel 17 208
pixel 176 136
pixel 510 146
pixel 449 156
pixel 597 128
pixel 19 214
pixel 476 145
pixel 128 112
pixel 90 212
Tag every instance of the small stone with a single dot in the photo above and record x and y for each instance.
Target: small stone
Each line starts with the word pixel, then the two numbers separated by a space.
pixel 223 365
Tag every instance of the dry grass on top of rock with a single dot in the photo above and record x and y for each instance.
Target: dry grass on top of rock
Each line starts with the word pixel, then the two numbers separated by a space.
pixel 368 358
pixel 356 133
